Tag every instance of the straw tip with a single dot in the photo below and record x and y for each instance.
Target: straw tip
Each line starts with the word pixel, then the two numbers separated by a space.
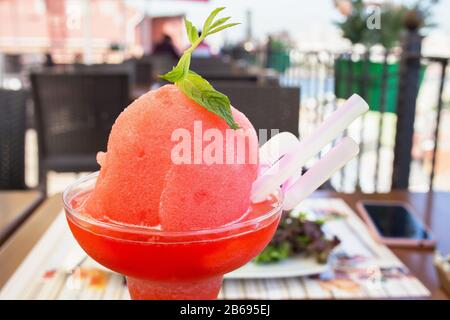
pixel 358 100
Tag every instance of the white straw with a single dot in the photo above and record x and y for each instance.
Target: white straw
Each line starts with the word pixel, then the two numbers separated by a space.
pixel 320 172
pixel 292 180
pixel 276 147
pixel 293 161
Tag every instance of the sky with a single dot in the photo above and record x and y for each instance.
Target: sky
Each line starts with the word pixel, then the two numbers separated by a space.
pixel 310 22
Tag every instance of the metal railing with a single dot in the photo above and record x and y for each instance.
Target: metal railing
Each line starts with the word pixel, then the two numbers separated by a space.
pixel 395 152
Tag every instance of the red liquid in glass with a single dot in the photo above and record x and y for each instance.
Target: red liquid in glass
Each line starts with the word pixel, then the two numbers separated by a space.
pixel 161 265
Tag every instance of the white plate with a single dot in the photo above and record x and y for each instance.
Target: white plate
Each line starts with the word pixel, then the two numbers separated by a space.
pixel 297 266
pixel 291 267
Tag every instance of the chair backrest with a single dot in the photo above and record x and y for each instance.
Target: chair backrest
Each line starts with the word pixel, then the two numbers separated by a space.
pixel 160 63
pixel 12 139
pixel 233 79
pixel 74 114
pixel 210 66
pixel 13 63
pixel 125 67
pixel 267 107
pixel 142 71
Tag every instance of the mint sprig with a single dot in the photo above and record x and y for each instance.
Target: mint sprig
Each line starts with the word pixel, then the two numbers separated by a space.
pixel 192 84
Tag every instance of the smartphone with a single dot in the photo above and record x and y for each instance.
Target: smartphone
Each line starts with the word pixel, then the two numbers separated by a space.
pixel 395 224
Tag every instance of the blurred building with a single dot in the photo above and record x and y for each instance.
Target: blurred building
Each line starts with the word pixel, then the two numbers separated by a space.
pixel 151 30
pixel 95 30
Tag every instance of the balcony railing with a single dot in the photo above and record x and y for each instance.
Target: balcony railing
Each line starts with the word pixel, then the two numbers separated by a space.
pixel 402 138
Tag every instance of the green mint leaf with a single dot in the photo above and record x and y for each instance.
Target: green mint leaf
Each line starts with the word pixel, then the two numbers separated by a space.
pixel 210 19
pixel 173 75
pixel 185 63
pixel 193 85
pixel 219 22
pixel 191 31
pixel 201 91
pixel 225 26
pixel 180 70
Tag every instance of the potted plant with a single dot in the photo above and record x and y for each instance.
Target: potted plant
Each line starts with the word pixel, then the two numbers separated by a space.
pixel 394 20
pixel 277 55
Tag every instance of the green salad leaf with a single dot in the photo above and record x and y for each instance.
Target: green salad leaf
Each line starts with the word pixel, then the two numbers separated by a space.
pixel 298 235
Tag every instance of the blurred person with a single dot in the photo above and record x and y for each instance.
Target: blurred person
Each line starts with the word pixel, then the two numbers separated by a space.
pixel 78 58
pixel 269 51
pixel 48 61
pixel 166 47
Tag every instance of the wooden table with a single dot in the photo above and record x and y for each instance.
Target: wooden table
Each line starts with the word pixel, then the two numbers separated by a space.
pixel 15 207
pixel 432 209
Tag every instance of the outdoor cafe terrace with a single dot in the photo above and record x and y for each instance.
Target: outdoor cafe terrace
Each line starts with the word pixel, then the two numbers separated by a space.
pixel 65 77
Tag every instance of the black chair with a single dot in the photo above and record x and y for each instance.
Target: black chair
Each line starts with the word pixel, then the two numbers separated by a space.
pixel 142 72
pixel 267 107
pixel 211 66
pixel 74 115
pixel 12 139
pixel 106 68
pixel 160 64
pixel 231 79
pixel 12 64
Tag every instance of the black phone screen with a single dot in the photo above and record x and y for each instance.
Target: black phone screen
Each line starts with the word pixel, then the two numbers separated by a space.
pixel 395 221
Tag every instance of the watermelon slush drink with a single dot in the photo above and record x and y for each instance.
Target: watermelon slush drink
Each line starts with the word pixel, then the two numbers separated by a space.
pixel 172 264
pixel 170 208
pixel 172 229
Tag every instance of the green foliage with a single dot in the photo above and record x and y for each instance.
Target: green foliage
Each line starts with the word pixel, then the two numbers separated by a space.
pixel 354 28
pixel 392 19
